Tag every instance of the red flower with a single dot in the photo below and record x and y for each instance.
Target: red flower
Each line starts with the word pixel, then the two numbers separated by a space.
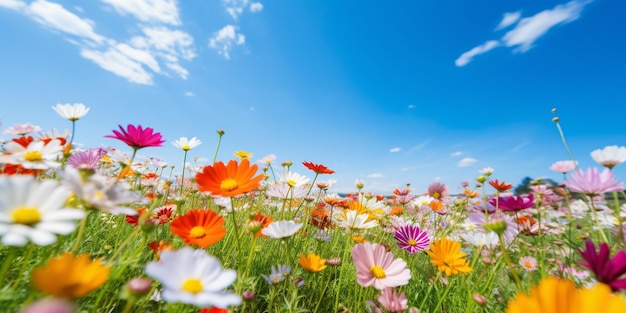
pixel 138 137
pixel 500 186
pixel 318 168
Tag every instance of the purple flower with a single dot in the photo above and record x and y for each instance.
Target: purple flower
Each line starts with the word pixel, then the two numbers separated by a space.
pixel 513 203
pixel 606 270
pixel 411 238
pixel 87 160
pixel 138 137
pixel 592 183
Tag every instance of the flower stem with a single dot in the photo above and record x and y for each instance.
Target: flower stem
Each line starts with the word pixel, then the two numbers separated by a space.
pixel 182 177
pixel 81 230
pixel 430 288
pixel 508 262
pixel 219 141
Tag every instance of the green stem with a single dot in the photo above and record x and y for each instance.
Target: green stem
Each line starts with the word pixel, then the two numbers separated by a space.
pixel 7 263
pixel 25 260
pixel 123 244
pixel 182 177
pixel 341 270
pixel 508 262
pixel 219 141
pixel 81 230
pixel 445 293
pixel 430 288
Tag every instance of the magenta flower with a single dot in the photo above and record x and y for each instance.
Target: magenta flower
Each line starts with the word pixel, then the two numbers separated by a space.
pixel 606 270
pixel 592 183
pixel 138 137
pixel 411 238
pixel 377 267
pixel 513 203
pixel 88 159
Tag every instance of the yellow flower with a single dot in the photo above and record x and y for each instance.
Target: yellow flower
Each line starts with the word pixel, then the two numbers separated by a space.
pixel 66 276
pixel 447 256
pixel 242 155
pixel 312 262
pixel 560 295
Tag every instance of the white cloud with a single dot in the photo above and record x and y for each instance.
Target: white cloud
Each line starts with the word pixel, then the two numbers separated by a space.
pixel 396 149
pixel 520 146
pixel 235 7
pixel 528 30
pixel 456 153
pixel 509 19
pixel 12 4
pixel 411 106
pixel 256 7
pixel 375 175
pixel 162 11
pixel 172 42
pixel 224 40
pixel 189 94
pixel 467 56
pixel 420 146
pixel 55 16
pixel 465 162
pixel 120 64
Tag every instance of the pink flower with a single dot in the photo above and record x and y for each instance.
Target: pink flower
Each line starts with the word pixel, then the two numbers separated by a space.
pixel 392 301
pixel 138 137
pixel 21 129
pixel 592 183
pixel 375 266
pixel 564 166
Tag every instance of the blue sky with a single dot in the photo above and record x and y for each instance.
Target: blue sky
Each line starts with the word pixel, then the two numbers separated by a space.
pixel 388 92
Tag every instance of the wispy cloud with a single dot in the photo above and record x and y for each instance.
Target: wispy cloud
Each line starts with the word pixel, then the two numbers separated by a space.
pixel 509 19
pixel 225 39
pixel 189 94
pixel 256 7
pixel 396 149
pixel 527 30
pixel 236 7
pixel 456 153
pixel 375 175
pixel 521 145
pixel 465 162
pixel 161 11
pixel 137 59
pixel 419 146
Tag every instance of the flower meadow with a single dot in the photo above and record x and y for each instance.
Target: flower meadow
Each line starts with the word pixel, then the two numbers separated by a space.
pixel 94 230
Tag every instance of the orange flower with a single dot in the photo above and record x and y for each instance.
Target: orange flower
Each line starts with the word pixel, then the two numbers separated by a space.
pixel 396 210
pixel 229 180
pixel 261 220
pixel 199 227
pixel 69 276
pixel 320 218
pixel 470 193
pixel 317 168
pixel 500 186
pixel 158 246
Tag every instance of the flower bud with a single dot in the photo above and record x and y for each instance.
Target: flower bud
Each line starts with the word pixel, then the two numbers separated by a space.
pixel 139 286
pixel 481 179
pixel 479 299
pixel 248 295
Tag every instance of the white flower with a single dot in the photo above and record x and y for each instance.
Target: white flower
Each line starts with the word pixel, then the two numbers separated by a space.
pixel 480 239
pixel 72 112
pixel 352 219
pixel 37 155
pixel 33 211
pixel 194 277
pixel 285 191
pixel 268 159
pixel 610 156
pixel 281 229
pixel 186 144
pixel 21 129
pixel 487 171
pixel 293 179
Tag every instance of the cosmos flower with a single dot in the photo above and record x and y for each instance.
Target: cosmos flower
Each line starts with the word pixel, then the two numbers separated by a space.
pixel 513 203
pixel 609 156
pixel 186 144
pixel 392 301
pixel 377 267
pixel 411 238
pixel 193 277
pixel 72 112
pixel 557 295
pixel 447 256
pixel 500 186
pixel 69 276
pixel 528 263
pixel 281 229
pixel 21 129
pixel 278 274
pixel 312 262
pixel 267 160
pixel 137 137
pixel 592 183
pixel 229 180
pixel 317 168
pixel 607 270
pixel 199 227
pixel 87 160
pixel 353 220
pixel 564 166
pixel 439 192
pixel 34 211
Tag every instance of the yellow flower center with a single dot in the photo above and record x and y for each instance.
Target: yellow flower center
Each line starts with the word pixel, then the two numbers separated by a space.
pixel 192 285
pixel 436 195
pixel 197 232
pixel 186 147
pixel 26 215
pixel 411 242
pixel 378 272
pixel 528 264
pixel 229 184
pixel 33 156
pixel 292 183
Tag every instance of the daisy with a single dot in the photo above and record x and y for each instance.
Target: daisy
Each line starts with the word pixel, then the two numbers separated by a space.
pixel 21 129
pixel 137 137
pixel 281 229
pixel 528 263
pixel 609 156
pixel 72 112
pixel 377 267
pixel 36 155
pixel 34 211
pixel 481 239
pixel 267 160
pixel 487 171
pixel 186 144
pixel 69 276
pixel 199 227
pixel 293 179
pixel 285 191
pixel 193 277
pixel 55 134
pixel 557 295
pixel 353 220
pixel 447 256
pixel 229 180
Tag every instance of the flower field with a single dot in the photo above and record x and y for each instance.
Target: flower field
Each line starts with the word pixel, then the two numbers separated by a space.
pixel 93 230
